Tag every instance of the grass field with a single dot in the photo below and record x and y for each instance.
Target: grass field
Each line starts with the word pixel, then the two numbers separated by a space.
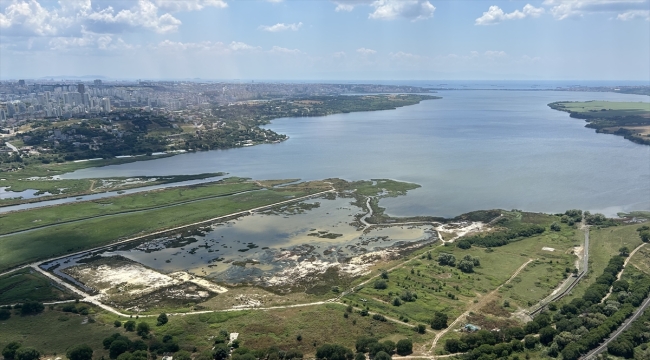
pixel 611 108
pixel 628 119
pixel 52 332
pixel 604 243
pixel 67 238
pixel 27 284
pixel 23 220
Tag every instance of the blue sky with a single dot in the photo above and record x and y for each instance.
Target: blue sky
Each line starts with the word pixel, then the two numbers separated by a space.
pixel 326 40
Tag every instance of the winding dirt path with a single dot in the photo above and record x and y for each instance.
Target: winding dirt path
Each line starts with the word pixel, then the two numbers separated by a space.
pixel 483 301
pixel 620 273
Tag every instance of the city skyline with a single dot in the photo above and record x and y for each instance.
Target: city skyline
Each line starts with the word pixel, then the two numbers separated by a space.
pixel 326 40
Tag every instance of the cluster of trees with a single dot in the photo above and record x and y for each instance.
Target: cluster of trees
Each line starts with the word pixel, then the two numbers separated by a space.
pixel 487 343
pixel 644 233
pixel 598 219
pixel 597 291
pixel 466 265
pixel 118 344
pixel 222 352
pixel 571 217
pixel 15 351
pixel 365 345
pixel 638 333
pixel 585 322
pixel 504 237
pixel 439 321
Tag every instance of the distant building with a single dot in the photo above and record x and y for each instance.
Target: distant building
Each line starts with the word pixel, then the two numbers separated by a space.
pixel 81 88
pixel 97 82
pixel 106 104
pixel 21 82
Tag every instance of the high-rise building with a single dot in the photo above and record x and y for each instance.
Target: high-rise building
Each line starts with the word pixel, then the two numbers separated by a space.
pixel 3 115
pixel 86 99
pixel 106 104
pixel 81 88
pixel 11 109
pixel 21 82
pixel 97 82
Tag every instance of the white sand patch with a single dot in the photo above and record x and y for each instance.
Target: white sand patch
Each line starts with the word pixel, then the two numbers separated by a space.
pixel 131 279
pixel 546 248
pixel 206 284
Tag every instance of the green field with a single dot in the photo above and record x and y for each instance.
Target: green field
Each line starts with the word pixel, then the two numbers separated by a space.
pixel 27 284
pixel 39 217
pixel 39 177
pixel 606 109
pixel 52 332
pixel 66 238
pixel 604 243
pixel 628 119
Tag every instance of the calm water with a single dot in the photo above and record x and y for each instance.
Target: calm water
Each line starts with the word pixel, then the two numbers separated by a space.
pixel 470 150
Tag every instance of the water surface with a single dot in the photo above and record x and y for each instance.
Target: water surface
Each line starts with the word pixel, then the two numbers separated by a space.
pixel 471 150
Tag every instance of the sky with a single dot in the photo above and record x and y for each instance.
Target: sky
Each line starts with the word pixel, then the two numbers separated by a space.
pixel 326 39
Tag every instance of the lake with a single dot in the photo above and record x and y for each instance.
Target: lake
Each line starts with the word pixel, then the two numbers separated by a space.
pixel 470 150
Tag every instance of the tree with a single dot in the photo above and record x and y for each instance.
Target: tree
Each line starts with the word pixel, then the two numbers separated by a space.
pixel 334 352
pixel 382 356
pixel 455 346
pixel 530 341
pixel 80 352
pixel 129 325
pixel 117 348
pixel 466 266
pixel 9 351
pixel 27 353
pixel 32 307
pixel 384 274
pixel 117 323
pixel 571 352
pixel 645 236
pixel 360 356
pixel 162 319
pixel 221 352
pixel 555 226
pixel 5 314
pixel 397 302
pixel 183 355
pixel 624 251
pixel 421 329
pixel 363 343
pixel 447 259
pixel 143 329
pixel 439 321
pixel 464 244
pixel 404 347
pixel 546 335
pixel 380 284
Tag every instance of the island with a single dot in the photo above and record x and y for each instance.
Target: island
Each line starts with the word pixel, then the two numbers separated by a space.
pixel 628 119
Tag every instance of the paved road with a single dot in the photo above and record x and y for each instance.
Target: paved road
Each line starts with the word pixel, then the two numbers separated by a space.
pixel 615 334
pixel 13 148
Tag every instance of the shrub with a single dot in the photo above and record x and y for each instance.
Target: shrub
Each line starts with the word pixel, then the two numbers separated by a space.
pixel 5 314
pixel 404 347
pixel 162 319
pixel 334 352
pixel 27 353
pixel 381 284
pixel 439 321
pixel 9 351
pixel 31 307
pixel 80 352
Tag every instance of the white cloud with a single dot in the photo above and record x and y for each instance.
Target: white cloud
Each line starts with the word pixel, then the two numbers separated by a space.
pixel 190 5
pixel 88 40
pixel 339 54
pixel 492 54
pixel 281 50
pixel 400 55
pixel 495 15
pixel 30 18
pixel 562 9
pixel 633 14
pixel 144 14
pixel 349 5
pixel 281 27
pixel 413 10
pixel 364 51
pixel 240 46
